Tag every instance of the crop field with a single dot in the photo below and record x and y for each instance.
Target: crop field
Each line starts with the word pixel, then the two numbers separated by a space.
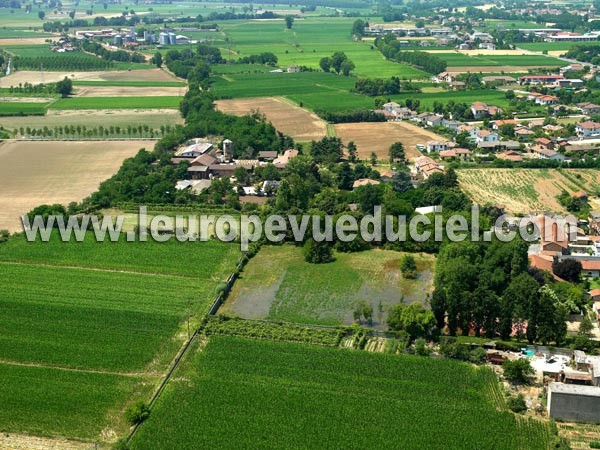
pixel 32 173
pixel 36 77
pixel 22 108
pixel 302 396
pixel 524 190
pixel 168 102
pixel 275 84
pixel 308 41
pixel 379 136
pixel 129 91
pixel 457 59
pixel 278 284
pixel 90 327
pixel 287 117
pixel 92 118
pixel 131 83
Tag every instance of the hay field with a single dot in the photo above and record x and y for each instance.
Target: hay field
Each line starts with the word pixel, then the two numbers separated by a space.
pixel 526 190
pixel 300 124
pixel 32 173
pixel 35 77
pixel 129 91
pixel 378 136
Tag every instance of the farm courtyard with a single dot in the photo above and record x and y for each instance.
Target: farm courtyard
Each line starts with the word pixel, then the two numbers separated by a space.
pixel 525 190
pixel 278 284
pixel 34 173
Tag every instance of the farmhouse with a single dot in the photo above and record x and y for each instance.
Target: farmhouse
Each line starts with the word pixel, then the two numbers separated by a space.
pixel 282 161
pixel 194 148
pixel 447 77
pixel 539 79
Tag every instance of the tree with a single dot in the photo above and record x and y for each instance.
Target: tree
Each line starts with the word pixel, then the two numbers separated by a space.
pixel 363 309
pixel 289 21
pixel 337 59
pixel 41 15
pixel 72 14
pixel 415 319
pixel 358 28
pixel 408 267
pixel 420 23
pixel 352 151
pixel 568 269
pixel 347 67
pixel 325 64
pixel 586 325
pixel 317 252
pixel 518 370
pixel 373 158
pixel 64 87
pixel 402 181
pixel 397 152
pixel 158 59
pixel 137 413
pixel 517 404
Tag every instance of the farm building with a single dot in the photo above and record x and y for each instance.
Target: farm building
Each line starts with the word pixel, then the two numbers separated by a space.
pixel 539 79
pixel 281 161
pixel 574 402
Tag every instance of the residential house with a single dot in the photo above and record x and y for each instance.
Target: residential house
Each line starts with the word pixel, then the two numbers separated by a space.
pixel 433 120
pixel 545 142
pixel 496 124
pixel 451 124
pixel 481 110
pixel 447 77
pixel 364 182
pixel 541 99
pixel 281 161
pixel 436 146
pixel 541 152
pixel 486 136
pixel 523 132
pixel 457 85
pixel 510 155
pixel 426 167
pixel 587 129
pixel 591 109
pixel 458 153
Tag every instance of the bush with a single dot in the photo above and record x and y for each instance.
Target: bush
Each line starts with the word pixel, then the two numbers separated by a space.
pixel 317 252
pixel 595 444
pixel 517 404
pixel 137 413
pixel 408 267
pixel 518 371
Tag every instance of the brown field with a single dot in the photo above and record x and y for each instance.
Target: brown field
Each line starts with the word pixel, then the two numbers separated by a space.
pixel 378 136
pixel 494 69
pixel 34 77
pixel 128 91
pixel 94 117
pixel 23 40
pixel 526 190
pixel 33 173
pixel 300 124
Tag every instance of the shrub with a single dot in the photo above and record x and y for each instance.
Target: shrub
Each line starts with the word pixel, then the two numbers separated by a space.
pixel 518 371
pixel 517 404
pixel 137 413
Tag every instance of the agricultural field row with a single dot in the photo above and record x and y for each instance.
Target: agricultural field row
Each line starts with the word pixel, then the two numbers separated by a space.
pixel 459 59
pixel 327 395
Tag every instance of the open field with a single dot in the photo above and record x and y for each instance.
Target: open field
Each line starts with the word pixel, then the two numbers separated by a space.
pixel 457 59
pixel 91 327
pixel 131 83
pixel 32 173
pixel 288 118
pixel 301 396
pixel 278 284
pixel 35 77
pixel 553 46
pixel 310 40
pixel 128 91
pixel 166 102
pixel 525 190
pixel 92 118
pixel 378 136
pixel 22 108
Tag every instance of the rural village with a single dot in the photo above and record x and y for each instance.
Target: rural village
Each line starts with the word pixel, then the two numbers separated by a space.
pixel 486 111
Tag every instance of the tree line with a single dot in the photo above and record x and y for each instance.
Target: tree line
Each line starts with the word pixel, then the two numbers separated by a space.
pixel 390 48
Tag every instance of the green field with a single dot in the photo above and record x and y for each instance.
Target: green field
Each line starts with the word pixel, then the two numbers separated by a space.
pixel 244 393
pixel 554 46
pixel 117 102
pixel 307 42
pixel 100 323
pixel 460 59
pixel 22 108
pixel 278 284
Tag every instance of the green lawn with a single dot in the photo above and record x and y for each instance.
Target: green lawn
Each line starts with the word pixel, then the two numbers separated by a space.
pixel 117 102
pixel 243 393
pixel 114 312
pixel 278 284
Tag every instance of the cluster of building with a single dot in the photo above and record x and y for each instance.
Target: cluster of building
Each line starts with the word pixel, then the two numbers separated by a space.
pixel 208 161
pixel 130 38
